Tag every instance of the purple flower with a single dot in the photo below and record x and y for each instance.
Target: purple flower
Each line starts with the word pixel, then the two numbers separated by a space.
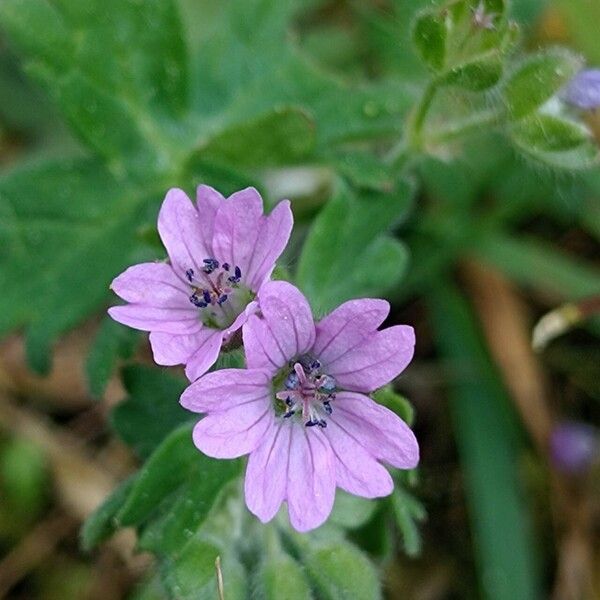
pixel 574 446
pixel 301 408
pixel 583 91
pixel 220 252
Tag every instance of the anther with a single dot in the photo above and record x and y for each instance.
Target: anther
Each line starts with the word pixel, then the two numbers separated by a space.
pixel 291 381
pixel 225 266
pixel 222 298
pixel 210 264
pixel 206 296
pixel 190 275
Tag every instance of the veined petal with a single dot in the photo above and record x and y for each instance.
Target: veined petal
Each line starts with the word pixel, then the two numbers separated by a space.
pixel 151 284
pixel 272 237
pixel 236 228
pixel 225 388
pixel 149 318
pixel 267 471
pixel 284 330
pixel 236 431
pixel 347 327
pixel 180 232
pixel 198 351
pixel 311 478
pixel 208 201
pixel 356 470
pixel 376 361
pixel 381 432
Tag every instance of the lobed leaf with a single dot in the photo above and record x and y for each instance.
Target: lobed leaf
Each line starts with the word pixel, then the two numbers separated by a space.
pixel 346 255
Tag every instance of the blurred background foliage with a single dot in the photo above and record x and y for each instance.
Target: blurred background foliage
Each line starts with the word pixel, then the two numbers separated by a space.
pixel 105 105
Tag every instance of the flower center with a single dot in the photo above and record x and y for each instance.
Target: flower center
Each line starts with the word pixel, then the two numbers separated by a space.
pixel 308 392
pixel 216 290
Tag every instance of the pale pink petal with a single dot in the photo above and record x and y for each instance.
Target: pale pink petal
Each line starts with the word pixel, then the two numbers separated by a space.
pixel 236 228
pixel 376 361
pixel 236 431
pixel 267 472
pixel 150 318
pixel 381 432
pixel 225 388
pixel 198 351
pixel 152 284
pixel 208 201
pixel 311 478
pixel 283 332
pixel 347 327
pixel 271 239
pixel 356 470
pixel 180 231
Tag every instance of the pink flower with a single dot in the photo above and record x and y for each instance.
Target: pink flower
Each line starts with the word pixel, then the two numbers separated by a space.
pixel 220 252
pixel 301 409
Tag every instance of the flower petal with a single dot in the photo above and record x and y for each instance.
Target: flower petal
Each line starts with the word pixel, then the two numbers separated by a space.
pixel 180 231
pixel 198 351
pixel 266 474
pixel 152 284
pixel 284 331
pixel 347 327
pixel 236 228
pixel 311 478
pixel 271 239
pixel 356 470
pixel 236 431
pixel 225 388
pixel 376 361
pixel 208 201
pixel 150 318
pixel 381 432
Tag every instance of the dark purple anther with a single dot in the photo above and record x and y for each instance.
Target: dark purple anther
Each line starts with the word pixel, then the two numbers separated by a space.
pixel 574 447
pixel 206 296
pixel 210 264
pixel 583 91
pixel 190 274
pixel 222 298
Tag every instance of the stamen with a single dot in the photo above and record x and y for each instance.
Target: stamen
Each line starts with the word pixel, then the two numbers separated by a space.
pixel 210 264
pixel 308 391
pixel 209 289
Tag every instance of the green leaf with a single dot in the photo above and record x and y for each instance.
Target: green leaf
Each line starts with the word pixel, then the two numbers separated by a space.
pixel 174 492
pixel 539 265
pixel 429 38
pixel 101 524
pixel 282 577
pixel 151 410
pixel 350 511
pixel 341 572
pixel 396 403
pixel 478 75
pixel 73 223
pixel 116 68
pixel 112 342
pixel 486 434
pixel 536 79
pixel 190 574
pixel 24 478
pixel 283 136
pixel 555 141
pixel 347 255
pixel 408 512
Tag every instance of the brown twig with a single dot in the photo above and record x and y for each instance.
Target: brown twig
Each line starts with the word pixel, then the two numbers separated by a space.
pixel 33 549
pixel 506 326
